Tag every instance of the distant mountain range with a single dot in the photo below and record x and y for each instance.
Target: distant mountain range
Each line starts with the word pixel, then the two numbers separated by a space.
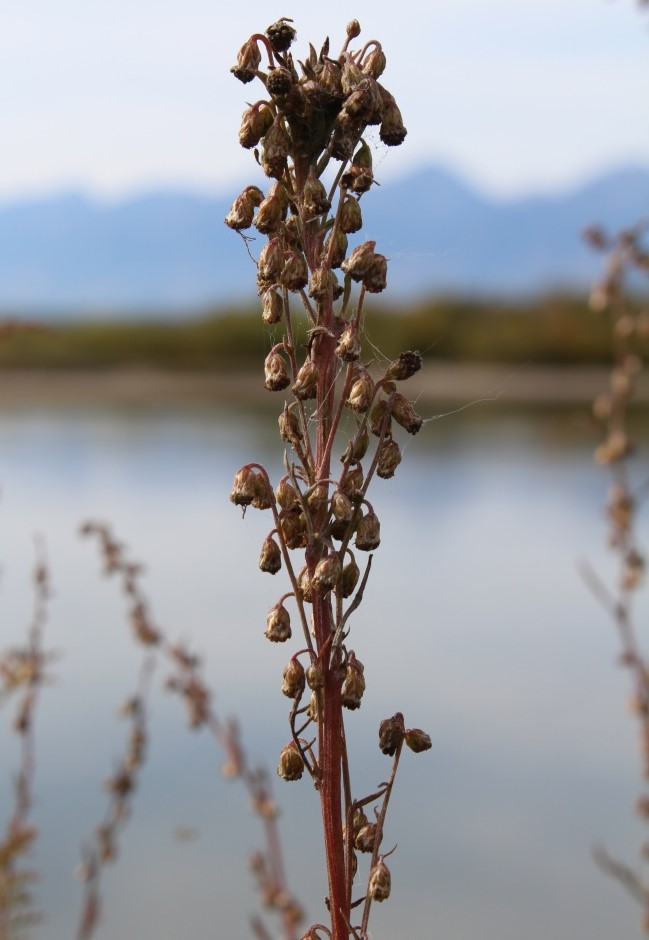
pixel 170 252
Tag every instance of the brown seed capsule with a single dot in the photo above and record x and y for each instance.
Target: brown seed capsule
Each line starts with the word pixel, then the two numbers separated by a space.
pixel 358 263
pixel 329 78
pixel 248 60
pixel 364 103
pixel 292 233
pixel 368 533
pixel 365 837
pixel 359 819
pixel 389 459
pixel 276 375
pixel 295 275
pixel 270 558
pixel 353 29
pixel 357 447
pixel 293 679
pixel 277 145
pixel 351 219
pixel 293 530
pixel 255 122
pixel 315 676
pixel 337 246
pixel 380 418
pixel 358 179
pixel 291 765
pixel 327 573
pixel 316 200
pixel 341 507
pixel 322 281
pixel 272 307
pixel 289 427
pixel 417 740
pixel 263 498
pixel 349 580
pixel 354 684
pixel 361 392
pixel 272 210
pixel 286 495
pixel 305 585
pixel 405 415
pixel 404 367
pixel 281 34
pixel 375 62
pixel 318 498
pixel 343 141
pixel 313 710
pixel 392 131
pixel 351 76
pixel 378 887
pixel 241 214
pixel 244 487
pixel 278 624
pixel 391 734
pixel 279 81
pixel 306 381
pixel 349 345
pixel 271 260
pixel 362 159
pixel 375 279
pixel 352 484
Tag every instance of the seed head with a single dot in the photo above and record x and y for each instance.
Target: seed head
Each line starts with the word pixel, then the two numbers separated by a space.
pixel 244 487
pixel 392 131
pixel 293 679
pixel 391 734
pixel 352 484
pixel 278 624
pixel 389 459
pixel 375 279
pixel 375 62
pixel 368 533
pixel 337 244
pixel 379 885
pixel 354 683
pixel 404 367
pixel 322 281
pixel 353 29
pixel 241 214
pixel 270 558
pixel 358 179
pixel 357 447
pixel 305 585
pixel 286 496
pixel 330 78
pixel 293 529
pixel 255 122
pixel 318 498
pixel 276 375
pixel 351 76
pixel 289 427
pixel 417 740
pixel 291 765
pixel 378 417
pixel 405 415
pixel 279 81
pixel 341 507
pixel 281 34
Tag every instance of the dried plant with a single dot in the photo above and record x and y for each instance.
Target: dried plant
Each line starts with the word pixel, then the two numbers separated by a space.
pixel 626 254
pixel 307 129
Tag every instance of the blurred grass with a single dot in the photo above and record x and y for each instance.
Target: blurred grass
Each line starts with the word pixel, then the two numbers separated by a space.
pixel 552 330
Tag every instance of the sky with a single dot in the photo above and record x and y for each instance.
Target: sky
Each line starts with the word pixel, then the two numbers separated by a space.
pixel 115 98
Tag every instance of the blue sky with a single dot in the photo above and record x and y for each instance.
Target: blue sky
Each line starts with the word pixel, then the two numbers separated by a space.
pixel 112 98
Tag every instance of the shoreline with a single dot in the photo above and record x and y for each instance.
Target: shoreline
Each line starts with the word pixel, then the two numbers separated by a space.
pixel 437 382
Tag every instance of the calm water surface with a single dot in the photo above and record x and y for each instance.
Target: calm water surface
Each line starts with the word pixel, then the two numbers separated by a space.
pixel 475 624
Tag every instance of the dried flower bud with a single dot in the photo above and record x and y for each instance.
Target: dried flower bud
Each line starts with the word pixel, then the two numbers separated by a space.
pixel 405 415
pixel 364 104
pixel 404 367
pixel 351 76
pixel 270 558
pixel 293 679
pixel 361 392
pixel 392 131
pixel 248 59
pixel 278 624
pixel 378 419
pixel 352 484
pixel 291 764
pixel 272 307
pixel 263 498
pixel 341 507
pixel 353 29
pixel 365 837
pixel 357 447
pixel 378 887
pixel 358 263
pixel 293 529
pixel 271 260
pixel 327 573
pixel 295 275
pixel 272 211
pixel 244 487
pixel 330 78
pixel 375 279
pixel 375 62
pixel 281 34
pixel 368 533
pixel 391 734
pixel 322 281
pixel 306 381
pixel 305 585
pixel 316 200
pixel 349 345
pixel 276 372
pixel 337 245
pixel 241 214
pixel 279 81
pixel 255 122
pixel 289 427
pixel 315 676
pixel 349 580
pixel 389 459
pixel 277 145
pixel 286 495
pixel 351 219
pixel 313 709
pixel 358 179
pixel 292 233
pixel 343 141
pixel 359 819
pixel 417 740
pixel 354 684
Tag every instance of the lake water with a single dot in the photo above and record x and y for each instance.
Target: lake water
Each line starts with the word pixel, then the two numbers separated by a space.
pixel 475 624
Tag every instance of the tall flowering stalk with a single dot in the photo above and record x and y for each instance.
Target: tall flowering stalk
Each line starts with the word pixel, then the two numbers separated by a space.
pixel 307 128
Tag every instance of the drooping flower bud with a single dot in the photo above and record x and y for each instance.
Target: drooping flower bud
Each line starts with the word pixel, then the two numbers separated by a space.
pixel 392 131
pixel 337 245
pixel 276 372
pixel 241 214
pixel 357 447
pixel 349 344
pixel 389 459
pixel 263 498
pixel 316 200
pixel 293 530
pixel 255 122
pixel 378 417
pixel 286 495
pixel 330 78
pixel 272 210
pixel 362 159
pixel 272 307
pixel 289 427
pixel 270 558
pixel 278 624
pixel 352 483
pixel 375 278
pixel 244 487
pixel 404 367
pixel 271 260
pixel 368 533
pixel 361 392
pixel 306 381
pixel 327 573
pixel 281 34
pixel 391 734
pixel 417 740
pixel 359 261
pixel 364 104
pixel 295 275
pixel 313 708
pixel 405 415
pixel 305 585
pixel 315 676
pixel 351 76
pixel 248 59
pixel 322 281
pixel 277 145
pixel 292 233
pixel 374 64
pixel 358 179
pixel 293 679
pixel 279 81
pixel 351 219
pixel 291 764
pixel 378 887
pixel 354 683
pixel 366 837
pixel 343 140
pixel 349 580
pixel 341 507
